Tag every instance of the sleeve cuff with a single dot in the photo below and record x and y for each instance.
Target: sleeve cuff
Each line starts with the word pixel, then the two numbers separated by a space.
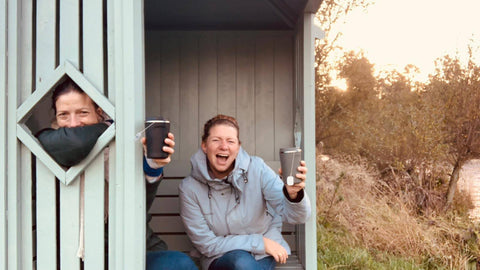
pixel 258 246
pixel 299 198
pixel 149 170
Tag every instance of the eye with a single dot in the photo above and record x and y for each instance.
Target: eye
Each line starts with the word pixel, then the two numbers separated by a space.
pixel 84 113
pixel 62 116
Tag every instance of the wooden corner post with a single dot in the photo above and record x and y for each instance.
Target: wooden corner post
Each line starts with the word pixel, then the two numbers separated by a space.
pixel 309 136
pixel 127 90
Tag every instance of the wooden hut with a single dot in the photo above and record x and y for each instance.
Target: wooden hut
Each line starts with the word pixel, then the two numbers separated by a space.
pixel 184 60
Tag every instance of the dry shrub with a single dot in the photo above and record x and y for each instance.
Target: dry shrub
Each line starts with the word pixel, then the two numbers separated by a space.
pixel 422 189
pixel 348 195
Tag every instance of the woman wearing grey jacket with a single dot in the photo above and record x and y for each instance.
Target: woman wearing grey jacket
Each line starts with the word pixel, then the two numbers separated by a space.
pixel 233 204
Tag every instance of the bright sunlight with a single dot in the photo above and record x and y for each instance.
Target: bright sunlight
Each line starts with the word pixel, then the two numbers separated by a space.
pixel 395 33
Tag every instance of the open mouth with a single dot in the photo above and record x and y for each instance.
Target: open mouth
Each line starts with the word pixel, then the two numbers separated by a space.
pixel 222 158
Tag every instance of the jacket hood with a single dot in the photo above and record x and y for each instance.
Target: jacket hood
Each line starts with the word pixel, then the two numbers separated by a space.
pixel 200 168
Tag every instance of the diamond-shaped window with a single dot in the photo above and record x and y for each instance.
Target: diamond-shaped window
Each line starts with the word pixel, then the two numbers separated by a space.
pixel 44 88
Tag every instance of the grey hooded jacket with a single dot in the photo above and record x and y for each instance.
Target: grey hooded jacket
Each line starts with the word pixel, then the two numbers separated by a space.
pixel 221 215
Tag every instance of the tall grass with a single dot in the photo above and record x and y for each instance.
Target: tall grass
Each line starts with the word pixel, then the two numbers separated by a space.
pixel 364 223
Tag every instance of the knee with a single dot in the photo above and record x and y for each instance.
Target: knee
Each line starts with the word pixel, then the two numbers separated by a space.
pixel 183 261
pixel 241 260
pixel 169 260
pixel 238 253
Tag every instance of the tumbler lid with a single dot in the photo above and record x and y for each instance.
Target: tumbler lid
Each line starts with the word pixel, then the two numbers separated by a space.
pixel 157 120
pixel 290 150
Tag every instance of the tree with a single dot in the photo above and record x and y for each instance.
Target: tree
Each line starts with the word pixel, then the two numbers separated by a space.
pixel 338 111
pixel 385 120
pixel 455 90
pixel 330 14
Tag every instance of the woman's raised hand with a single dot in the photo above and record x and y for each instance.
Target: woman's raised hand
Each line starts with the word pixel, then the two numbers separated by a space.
pixel 170 141
pixel 302 175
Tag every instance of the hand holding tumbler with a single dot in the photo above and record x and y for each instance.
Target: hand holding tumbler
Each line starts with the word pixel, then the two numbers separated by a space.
pixel 156 131
pixel 290 158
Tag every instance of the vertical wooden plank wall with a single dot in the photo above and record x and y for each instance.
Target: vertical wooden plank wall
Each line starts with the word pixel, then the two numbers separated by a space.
pixel 189 97
pixel 46 234
pixel 115 187
pixel 17 71
pixel 45 183
pixel 245 74
pixel 93 67
pixel 226 59
pixel 207 78
pixel 94 215
pixel 170 70
pixel 264 98
pixel 126 82
pixel 298 64
pixel 284 91
pixel 18 245
pixel 152 102
pixel 245 99
pixel 69 49
pixel 308 139
pixel 26 177
pixel 56 42
pixel 14 206
pixel 3 135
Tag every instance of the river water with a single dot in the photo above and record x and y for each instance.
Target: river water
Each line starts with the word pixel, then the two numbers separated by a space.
pixel 469 181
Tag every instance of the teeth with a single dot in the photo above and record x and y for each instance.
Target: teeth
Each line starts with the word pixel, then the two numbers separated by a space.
pixel 220 155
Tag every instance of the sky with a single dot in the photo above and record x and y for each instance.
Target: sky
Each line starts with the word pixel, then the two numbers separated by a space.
pixel 394 33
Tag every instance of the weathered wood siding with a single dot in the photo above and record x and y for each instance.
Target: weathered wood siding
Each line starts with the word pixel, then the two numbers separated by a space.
pixel 85 52
pixel 191 77
pixel 3 135
pixel 45 40
pixel 307 34
pixel 46 217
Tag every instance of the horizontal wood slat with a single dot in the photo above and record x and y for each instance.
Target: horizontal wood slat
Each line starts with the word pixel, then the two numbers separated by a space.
pixel 168 187
pixel 167 224
pixel 293 263
pixel 174 224
pixel 165 205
